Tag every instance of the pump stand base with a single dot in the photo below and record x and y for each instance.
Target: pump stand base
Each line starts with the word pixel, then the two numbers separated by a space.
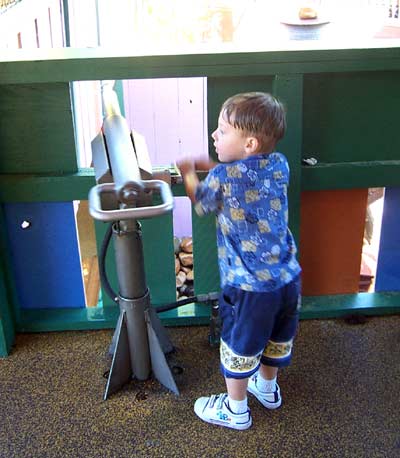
pixel 121 368
pixel 159 364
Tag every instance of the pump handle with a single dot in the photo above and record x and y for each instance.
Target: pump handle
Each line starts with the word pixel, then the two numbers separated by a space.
pixel 97 212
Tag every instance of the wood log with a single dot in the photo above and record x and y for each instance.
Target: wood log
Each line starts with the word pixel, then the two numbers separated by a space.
pixel 187 245
pixel 186 259
pixel 177 266
pixel 190 275
pixel 180 279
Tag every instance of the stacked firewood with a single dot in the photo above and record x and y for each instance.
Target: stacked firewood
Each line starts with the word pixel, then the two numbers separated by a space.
pixel 184 267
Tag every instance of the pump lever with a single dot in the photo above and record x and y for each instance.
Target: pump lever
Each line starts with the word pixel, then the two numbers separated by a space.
pixel 97 212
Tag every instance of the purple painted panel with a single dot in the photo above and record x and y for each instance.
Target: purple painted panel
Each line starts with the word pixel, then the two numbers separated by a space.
pixel 192 117
pixel 182 218
pixel 139 109
pixel 171 114
pixel 166 120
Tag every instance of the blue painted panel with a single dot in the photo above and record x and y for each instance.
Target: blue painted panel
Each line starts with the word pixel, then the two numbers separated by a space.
pixel 388 268
pixel 45 256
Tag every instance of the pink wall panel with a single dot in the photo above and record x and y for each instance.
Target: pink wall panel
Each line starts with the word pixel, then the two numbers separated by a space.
pixel 166 120
pixel 192 117
pixel 139 109
pixel 182 218
pixel 171 114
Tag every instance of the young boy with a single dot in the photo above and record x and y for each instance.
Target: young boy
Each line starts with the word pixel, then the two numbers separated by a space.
pixel 260 285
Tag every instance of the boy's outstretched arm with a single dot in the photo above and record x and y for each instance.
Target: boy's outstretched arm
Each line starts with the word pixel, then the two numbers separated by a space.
pixel 188 168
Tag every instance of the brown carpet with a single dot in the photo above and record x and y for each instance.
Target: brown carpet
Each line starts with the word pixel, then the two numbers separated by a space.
pixel 341 399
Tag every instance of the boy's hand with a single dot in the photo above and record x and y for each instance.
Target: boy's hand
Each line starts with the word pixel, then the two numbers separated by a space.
pixel 189 165
pixel 204 164
pixel 186 166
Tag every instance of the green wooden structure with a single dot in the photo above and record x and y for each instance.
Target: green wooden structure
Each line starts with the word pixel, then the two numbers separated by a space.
pixel 342 105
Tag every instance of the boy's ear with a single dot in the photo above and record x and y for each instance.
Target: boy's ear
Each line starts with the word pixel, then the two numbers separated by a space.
pixel 252 145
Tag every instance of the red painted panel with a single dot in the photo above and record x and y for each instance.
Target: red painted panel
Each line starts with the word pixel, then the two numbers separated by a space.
pixel 331 237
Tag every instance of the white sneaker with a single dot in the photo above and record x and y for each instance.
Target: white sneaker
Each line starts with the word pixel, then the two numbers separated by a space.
pixel 269 399
pixel 215 409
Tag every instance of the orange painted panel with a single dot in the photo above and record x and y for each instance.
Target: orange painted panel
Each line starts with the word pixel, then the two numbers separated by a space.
pixel 331 237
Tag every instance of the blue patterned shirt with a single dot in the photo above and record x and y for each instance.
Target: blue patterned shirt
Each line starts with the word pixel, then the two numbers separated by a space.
pixel 256 249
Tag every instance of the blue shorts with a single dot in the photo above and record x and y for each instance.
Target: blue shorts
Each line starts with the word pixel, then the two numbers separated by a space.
pixel 257 326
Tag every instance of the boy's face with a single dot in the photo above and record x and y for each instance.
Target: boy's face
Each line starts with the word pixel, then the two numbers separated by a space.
pixel 230 143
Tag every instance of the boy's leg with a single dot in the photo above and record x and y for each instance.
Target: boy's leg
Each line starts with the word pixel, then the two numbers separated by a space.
pixel 278 351
pixel 268 372
pixel 241 347
pixel 237 394
pixel 237 388
pixel 264 387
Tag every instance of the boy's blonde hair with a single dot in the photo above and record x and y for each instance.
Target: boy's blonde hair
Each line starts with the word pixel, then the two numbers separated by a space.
pixel 258 114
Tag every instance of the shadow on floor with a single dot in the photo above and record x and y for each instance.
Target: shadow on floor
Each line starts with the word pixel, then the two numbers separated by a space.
pixel 341 399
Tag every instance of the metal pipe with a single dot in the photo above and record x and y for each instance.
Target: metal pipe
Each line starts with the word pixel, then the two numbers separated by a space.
pixel 134 296
pixel 129 262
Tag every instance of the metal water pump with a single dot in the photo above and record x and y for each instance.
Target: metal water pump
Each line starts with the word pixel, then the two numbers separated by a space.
pixel 122 196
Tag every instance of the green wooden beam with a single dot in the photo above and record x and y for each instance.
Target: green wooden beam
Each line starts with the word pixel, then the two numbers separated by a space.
pixel 314 307
pixel 46 188
pixel 348 175
pixel 45 320
pixel 350 304
pixel 69 64
pixel 54 187
pixel 76 186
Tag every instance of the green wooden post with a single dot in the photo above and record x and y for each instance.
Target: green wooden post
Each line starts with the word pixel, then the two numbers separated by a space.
pixel 205 256
pixel 289 89
pixel 159 259
pixel 7 322
pixel 7 328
